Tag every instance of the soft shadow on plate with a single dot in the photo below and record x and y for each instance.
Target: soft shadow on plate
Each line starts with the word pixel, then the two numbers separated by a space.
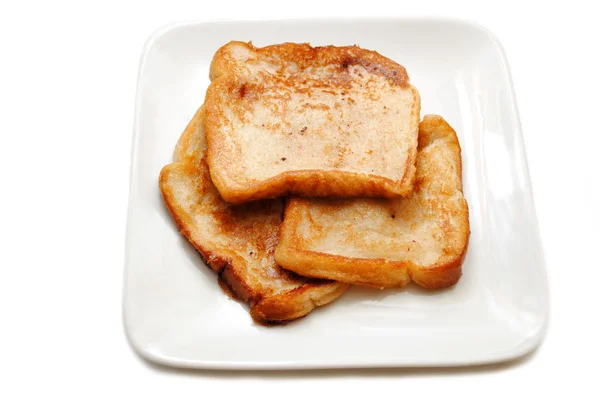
pixel 358 294
pixel 310 374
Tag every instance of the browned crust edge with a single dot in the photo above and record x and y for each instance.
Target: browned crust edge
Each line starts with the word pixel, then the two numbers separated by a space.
pixel 296 303
pixel 305 56
pixel 272 310
pixel 311 183
pixel 410 169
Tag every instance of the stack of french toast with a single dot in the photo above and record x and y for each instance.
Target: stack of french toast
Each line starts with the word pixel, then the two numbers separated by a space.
pixel 308 170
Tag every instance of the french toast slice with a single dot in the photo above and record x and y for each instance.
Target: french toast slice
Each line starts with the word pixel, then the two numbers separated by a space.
pixel 309 121
pixel 237 242
pixel 387 242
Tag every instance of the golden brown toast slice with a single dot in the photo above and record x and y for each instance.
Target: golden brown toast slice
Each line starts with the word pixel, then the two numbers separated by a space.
pixel 322 121
pixel 237 242
pixel 387 242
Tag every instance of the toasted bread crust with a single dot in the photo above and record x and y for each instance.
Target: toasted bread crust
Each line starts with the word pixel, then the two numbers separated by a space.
pixel 228 233
pixel 323 182
pixel 442 195
pixel 232 96
pixel 295 303
pixel 305 56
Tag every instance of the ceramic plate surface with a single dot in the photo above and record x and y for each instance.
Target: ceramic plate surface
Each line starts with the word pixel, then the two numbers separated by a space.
pixel 176 314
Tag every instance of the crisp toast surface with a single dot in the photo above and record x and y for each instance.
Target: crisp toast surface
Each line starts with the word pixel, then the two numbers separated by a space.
pixel 310 121
pixel 237 242
pixel 387 242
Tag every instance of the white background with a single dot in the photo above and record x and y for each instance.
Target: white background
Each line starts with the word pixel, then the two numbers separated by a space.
pixel 67 86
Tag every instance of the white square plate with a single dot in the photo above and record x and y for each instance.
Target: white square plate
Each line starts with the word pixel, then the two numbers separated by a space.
pixel 176 314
